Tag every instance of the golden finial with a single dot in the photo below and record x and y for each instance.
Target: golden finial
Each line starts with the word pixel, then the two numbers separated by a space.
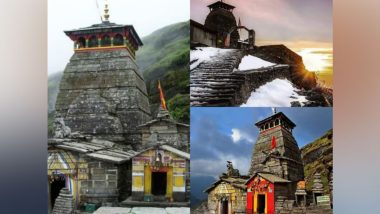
pixel 106 10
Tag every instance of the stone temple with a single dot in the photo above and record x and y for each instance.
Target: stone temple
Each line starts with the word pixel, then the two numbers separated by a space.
pixel 108 150
pixel 221 44
pixel 221 29
pixel 102 93
pixel 275 182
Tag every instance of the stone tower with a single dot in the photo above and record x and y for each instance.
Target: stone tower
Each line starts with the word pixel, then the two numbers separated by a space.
pixel 102 93
pixel 276 151
pixel 222 20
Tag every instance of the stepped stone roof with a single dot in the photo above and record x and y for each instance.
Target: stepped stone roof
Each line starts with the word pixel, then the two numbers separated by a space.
pixel 98 149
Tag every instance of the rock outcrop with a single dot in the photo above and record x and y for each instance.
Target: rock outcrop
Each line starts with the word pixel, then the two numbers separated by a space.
pixel 318 158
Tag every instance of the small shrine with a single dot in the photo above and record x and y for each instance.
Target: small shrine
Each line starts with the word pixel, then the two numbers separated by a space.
pixel 228 194
pixel 262 191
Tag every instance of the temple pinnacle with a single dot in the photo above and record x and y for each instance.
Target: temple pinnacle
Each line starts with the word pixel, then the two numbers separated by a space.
pixel 106 10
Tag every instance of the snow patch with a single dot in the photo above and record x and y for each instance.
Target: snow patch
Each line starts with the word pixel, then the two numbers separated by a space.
pixel 251 62
pixel 204 54
pixel 277 93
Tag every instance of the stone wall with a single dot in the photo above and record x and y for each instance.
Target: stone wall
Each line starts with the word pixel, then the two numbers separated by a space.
pixel 236 197
pixel 103 94
pixel 199 35
pixel 280 54
pixel 257 78
pixel 101 185
pixel 288 165
pixel 165 132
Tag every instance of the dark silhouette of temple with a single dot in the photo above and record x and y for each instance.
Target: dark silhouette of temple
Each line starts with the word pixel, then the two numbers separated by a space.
pixel 221 29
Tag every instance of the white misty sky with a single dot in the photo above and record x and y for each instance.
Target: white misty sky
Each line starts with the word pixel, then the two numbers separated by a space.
pixel 145 15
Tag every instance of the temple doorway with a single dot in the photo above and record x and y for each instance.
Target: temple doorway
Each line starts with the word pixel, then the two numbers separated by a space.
pixel 224 206
pixel 55 187
pixel 159 182
pixel 261 204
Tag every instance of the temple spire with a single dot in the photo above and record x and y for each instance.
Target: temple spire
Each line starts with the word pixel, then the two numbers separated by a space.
pixel 106 10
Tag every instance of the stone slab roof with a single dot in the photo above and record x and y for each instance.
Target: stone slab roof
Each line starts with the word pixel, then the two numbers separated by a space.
pixel 104 152
pixel 235 182
pixel 178 152
pixel 269 177
pixel 165 120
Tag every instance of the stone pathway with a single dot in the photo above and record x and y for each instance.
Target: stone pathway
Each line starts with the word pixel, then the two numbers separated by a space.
pixel 212 83
pixel 142 210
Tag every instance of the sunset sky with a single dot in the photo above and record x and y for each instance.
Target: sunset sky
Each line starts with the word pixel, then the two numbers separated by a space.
pixel 303 26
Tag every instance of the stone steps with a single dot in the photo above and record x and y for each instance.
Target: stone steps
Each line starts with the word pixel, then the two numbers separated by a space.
pixel 214 83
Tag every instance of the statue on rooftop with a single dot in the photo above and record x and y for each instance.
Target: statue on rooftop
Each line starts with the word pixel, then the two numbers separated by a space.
pixel 231 172
pixel 61 130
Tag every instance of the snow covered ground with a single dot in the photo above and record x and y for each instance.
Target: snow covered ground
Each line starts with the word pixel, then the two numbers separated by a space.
pixel 277 93
pixel 251 62
pixel 204 54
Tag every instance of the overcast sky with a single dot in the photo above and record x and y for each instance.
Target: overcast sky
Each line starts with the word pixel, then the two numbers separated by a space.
pixel 282 20
pixel 145 15
pixel 221 134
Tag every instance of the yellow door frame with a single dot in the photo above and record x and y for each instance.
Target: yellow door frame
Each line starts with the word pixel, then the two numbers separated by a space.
pixel 255 202
pixel 169 182
pixel 147 180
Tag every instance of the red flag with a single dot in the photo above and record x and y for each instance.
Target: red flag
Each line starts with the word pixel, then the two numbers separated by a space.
pixel 162 98
pixel 273 142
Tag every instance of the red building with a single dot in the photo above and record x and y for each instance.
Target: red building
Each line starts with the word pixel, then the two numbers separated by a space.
pixel 262 189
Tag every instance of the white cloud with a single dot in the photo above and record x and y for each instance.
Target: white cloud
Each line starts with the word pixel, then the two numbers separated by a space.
pixel 235 135
pixel 239 135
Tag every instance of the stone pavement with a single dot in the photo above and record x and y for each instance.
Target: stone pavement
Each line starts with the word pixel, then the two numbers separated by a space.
pixel 142 210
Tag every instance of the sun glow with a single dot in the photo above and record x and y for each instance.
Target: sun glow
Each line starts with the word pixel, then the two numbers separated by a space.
pixel 317 59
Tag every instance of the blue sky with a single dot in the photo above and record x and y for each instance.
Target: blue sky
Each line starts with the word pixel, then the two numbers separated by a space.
pixel 221 134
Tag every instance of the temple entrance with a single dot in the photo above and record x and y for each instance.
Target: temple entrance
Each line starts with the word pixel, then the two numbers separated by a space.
pixel 261 204
pixel 315 197
pixel 159 180
pixel 55 188
pixel 224 207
